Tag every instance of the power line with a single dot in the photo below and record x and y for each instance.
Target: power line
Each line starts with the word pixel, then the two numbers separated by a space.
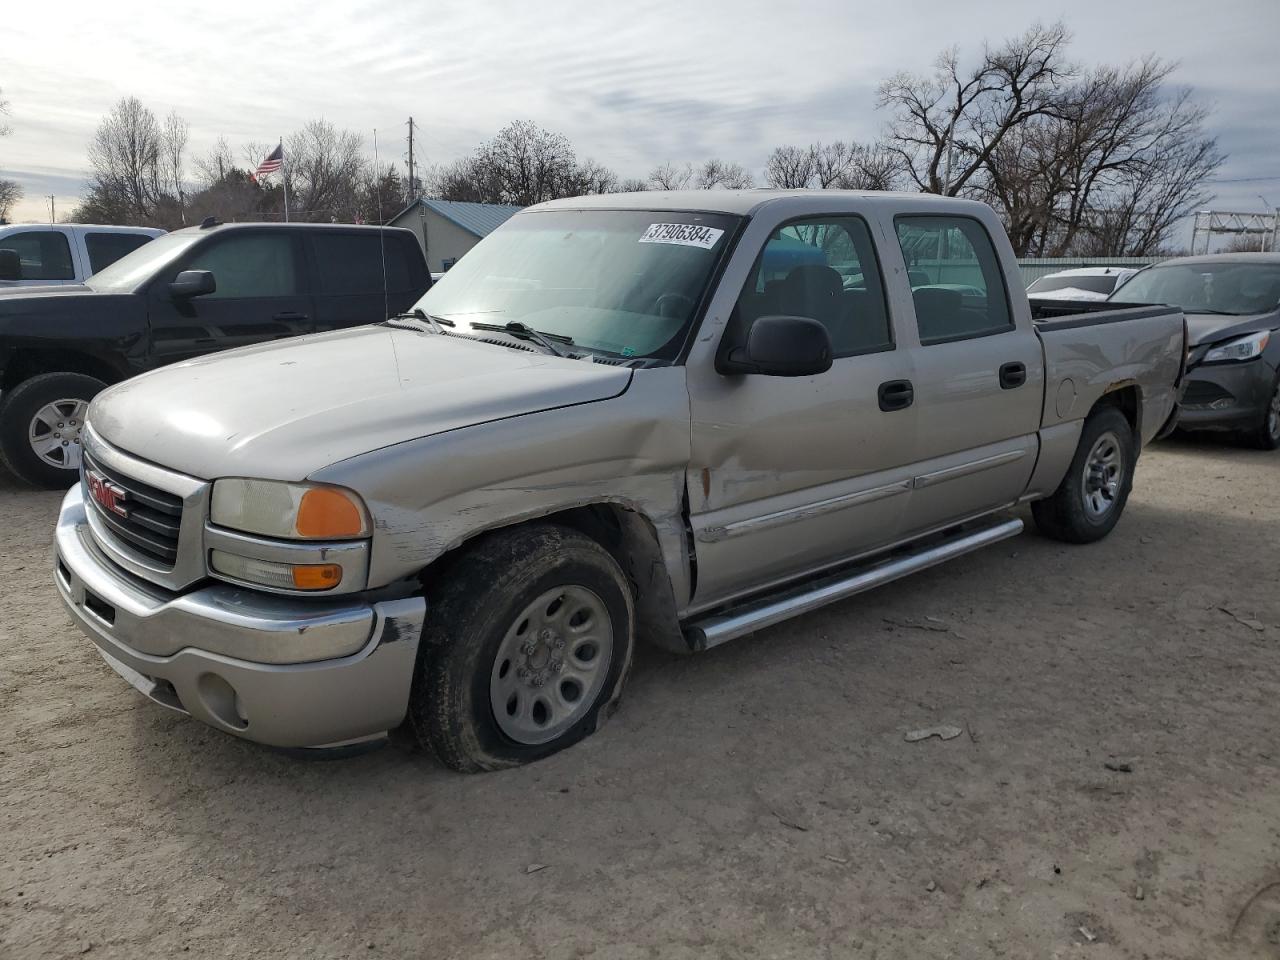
pixel 1245 180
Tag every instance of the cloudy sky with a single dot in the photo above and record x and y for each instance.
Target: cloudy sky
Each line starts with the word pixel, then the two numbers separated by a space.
pixel 631 85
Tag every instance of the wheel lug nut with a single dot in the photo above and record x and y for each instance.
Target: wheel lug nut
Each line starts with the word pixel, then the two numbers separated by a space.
pixel 559 644
pixel 539 680
pixel 556 665
pixel 528 647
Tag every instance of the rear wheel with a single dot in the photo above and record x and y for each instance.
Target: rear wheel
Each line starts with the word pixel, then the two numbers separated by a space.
pixel 1089 501
pixel 41 420
pixel 526 648
pixel 1266 436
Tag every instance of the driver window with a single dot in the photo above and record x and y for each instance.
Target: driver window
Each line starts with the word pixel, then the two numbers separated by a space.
pixel 824 268
pixel 249 265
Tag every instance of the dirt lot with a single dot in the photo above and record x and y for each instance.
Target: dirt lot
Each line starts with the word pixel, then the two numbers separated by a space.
pixel 759 800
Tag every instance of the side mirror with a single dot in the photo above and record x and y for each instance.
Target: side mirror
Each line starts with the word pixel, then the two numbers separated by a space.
pixel 192 283
pixel 10 265
pixel 781 347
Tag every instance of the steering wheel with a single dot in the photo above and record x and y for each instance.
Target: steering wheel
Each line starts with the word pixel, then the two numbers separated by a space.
pixel 669 305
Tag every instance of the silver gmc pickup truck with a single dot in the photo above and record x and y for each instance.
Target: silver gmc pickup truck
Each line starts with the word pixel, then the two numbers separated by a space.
pixel 677 417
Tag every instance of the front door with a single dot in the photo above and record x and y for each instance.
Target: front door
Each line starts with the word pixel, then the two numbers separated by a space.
pixel 791 474
pixel 261 295
pixel 979 373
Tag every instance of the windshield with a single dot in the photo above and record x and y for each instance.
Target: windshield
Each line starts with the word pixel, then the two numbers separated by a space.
pixel 134 269
pixel 621 282
pixel 1229 287
pixel 1094 283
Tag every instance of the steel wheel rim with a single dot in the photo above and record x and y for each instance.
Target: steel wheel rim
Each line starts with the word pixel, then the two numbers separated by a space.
pixel 54 432
pixel 1103 474
pixel 551 664
pixel 1273 414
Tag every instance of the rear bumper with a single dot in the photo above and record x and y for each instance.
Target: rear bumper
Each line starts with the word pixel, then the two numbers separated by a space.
pixel 1227 396
pixel 188 651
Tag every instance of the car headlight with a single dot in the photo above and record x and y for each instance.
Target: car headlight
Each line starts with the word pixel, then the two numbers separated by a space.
pixel 291 511
pixel 1245 348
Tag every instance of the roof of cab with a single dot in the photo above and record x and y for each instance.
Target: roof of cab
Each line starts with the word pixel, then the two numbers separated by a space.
pixel 293 225
pixel 741 202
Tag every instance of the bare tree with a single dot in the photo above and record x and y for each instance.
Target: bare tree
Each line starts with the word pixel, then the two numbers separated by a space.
pixel 173 148
pixel 946 126
pixel 324 169
pixel 632 185
pixel 789 168
pixel 527 164
pixel 10 192
pixel 707 176
pixel 125 183
pixel 670 177
pixel 215 165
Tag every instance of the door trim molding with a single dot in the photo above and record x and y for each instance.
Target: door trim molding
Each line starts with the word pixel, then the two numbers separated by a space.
pixel 803 512
pixel 965 469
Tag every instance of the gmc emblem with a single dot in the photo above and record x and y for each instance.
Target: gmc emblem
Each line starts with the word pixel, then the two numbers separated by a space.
pixel 107 494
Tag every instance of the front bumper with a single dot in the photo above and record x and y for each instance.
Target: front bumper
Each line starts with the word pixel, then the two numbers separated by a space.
pixel 1226 396
pixel 279 671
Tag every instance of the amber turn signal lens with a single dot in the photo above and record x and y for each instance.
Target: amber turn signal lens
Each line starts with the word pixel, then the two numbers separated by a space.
pixel 326 513
pixel 323 576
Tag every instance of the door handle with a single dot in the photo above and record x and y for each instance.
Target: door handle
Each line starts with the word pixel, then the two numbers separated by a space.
pixel 1013 375
pixel 289 315
pixel 895 395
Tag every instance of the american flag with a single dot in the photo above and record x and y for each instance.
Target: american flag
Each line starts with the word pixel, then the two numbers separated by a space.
pixel 273 162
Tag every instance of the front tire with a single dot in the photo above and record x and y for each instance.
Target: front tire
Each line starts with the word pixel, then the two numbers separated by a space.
pixel 526 648
pixel 40 424
pixel 1266 436
pixel 1091 497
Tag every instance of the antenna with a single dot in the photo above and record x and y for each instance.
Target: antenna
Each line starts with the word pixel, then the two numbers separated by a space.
pixel 382 230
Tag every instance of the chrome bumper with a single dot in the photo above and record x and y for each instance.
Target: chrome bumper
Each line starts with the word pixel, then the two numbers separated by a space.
pixel 279 671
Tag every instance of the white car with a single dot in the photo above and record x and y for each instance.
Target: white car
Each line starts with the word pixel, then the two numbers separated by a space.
pixel 1084 283
pixel 52 254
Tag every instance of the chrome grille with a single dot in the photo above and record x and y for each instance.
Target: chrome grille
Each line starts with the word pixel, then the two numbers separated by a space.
pixel 149 519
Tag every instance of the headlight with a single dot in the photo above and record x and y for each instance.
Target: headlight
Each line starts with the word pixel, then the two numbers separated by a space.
pixel 291 511
pixel 1246 348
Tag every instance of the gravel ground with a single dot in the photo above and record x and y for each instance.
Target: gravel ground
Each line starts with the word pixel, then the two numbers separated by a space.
pixel 1113 793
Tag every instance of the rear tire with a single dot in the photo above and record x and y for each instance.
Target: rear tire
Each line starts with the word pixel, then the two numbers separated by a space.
pixel 1089 501
pixel 1266 436
pixel 40 424
pixel 526 648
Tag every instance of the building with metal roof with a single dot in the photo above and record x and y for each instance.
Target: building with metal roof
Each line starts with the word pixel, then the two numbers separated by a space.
pixel 449 228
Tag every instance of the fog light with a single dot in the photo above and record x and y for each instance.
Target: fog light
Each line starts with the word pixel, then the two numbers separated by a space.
pixel 286 576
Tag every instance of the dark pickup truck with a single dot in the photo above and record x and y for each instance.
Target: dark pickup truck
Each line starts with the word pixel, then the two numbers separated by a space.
pixel 187 293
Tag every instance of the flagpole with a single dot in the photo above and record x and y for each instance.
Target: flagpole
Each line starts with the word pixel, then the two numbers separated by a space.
pixel 284 179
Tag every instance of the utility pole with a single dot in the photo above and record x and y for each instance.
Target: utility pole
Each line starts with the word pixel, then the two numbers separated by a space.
pixel 413 189
pixel 53 212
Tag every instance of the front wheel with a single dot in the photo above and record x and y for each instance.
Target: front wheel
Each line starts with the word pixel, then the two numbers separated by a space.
pixel 1266 435
pixel 40 425
pixel 1091 497
pixel 526 648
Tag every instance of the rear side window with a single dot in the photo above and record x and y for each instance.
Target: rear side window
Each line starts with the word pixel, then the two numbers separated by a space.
pixel 45 254
pixel 106 248
pixel 351 263
pixel 824 268
pixel 956 281
pixel 1094 284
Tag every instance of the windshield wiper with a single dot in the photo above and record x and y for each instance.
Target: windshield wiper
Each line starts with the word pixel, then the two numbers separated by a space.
pixel 526 332
pixel 422 318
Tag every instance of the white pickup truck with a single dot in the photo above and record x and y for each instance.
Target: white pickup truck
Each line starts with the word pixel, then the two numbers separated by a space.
pixel 54 254
pixel 676 417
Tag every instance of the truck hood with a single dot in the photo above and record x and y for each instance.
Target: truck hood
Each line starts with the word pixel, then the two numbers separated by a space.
pixel 1212 327
pixel 282 411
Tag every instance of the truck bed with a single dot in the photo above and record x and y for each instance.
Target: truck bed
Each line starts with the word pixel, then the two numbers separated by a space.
pixel 1083 364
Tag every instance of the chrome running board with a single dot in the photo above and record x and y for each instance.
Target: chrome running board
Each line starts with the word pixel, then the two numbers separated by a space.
pixel 712 629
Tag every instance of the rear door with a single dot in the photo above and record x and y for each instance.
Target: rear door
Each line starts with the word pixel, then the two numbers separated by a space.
pixel 788 475
pixel 364 276
pixel 260 295
pixel 978 372
pixel 105 247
